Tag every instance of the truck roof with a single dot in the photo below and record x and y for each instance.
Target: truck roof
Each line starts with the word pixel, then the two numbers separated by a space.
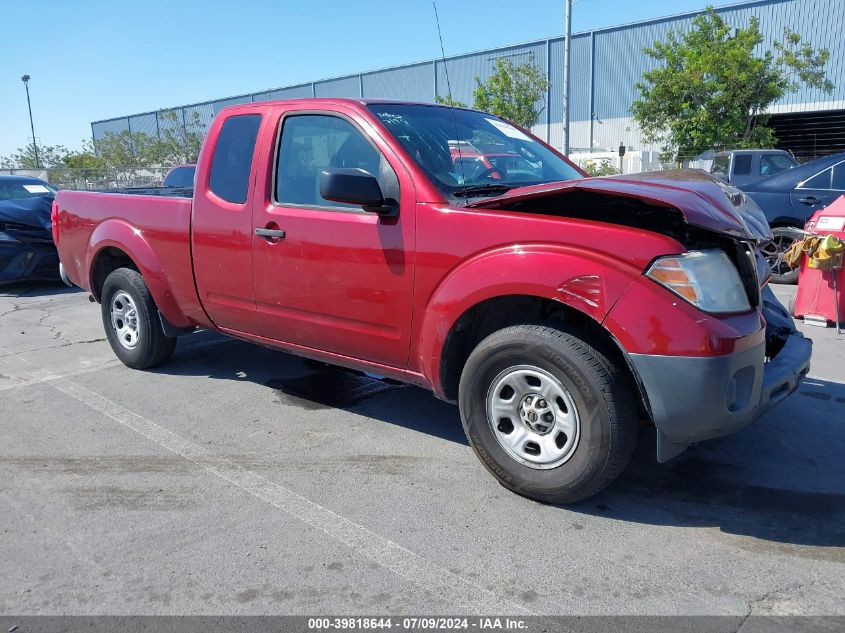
pixel 328 101
pixel 770 150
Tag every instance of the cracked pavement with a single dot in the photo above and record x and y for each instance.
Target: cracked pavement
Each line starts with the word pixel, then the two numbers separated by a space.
pixel 203 488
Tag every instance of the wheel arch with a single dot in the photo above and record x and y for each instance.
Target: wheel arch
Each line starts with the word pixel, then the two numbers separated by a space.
pixel 524 283
pixel 115 244
pixel 496 313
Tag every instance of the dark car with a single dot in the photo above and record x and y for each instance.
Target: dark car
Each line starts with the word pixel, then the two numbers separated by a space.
pixel 27 250
pixel 180 176
pixel 743 166
pixel 789 199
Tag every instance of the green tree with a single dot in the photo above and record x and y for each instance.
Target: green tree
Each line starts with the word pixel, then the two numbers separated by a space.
pixel 24 157
pixel 449 101
pixel 179 141
pixel 516 93
pixel 600 167
pixel 712 90
pixel 80 169
pixel 128 151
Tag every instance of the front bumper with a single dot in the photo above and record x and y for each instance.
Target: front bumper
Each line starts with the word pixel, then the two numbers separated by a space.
pixel 23 261
pixel 698 398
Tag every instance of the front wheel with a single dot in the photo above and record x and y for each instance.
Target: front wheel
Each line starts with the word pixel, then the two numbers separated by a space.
pixel 783 237
pixel 548 414
pixel 130 318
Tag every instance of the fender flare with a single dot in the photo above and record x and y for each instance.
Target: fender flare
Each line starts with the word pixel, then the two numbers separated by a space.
pixel 119 234
pixel 591 285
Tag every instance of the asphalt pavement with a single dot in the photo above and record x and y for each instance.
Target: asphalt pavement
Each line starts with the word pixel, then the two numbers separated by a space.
pixel 233 481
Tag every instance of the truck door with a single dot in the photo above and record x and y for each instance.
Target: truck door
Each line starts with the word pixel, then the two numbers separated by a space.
pixel 327 275
pixel 221 231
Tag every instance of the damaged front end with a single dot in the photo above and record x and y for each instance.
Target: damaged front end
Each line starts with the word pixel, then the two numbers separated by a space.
pixel 691 396
pixel 27 251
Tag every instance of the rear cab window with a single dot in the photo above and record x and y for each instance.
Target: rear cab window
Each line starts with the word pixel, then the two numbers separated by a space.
pixel 742 164
pixel 232 160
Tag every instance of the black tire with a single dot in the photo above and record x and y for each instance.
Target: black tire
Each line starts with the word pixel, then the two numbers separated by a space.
pixel 152 347
pixel 602 396
pixel 784 237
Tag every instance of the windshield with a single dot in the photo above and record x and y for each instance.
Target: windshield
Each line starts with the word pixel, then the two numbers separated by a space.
pixel 468 153
pixel 18 189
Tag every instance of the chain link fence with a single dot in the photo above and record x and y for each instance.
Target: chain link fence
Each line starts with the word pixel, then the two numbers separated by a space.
pixel 604 163
pixel 95 179
pixel 608 162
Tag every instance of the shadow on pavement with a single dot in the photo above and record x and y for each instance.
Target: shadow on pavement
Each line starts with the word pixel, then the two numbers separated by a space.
pixel 36 289
pixel 311 385
pixel 782 479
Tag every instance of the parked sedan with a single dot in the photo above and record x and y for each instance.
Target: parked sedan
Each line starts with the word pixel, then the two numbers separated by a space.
pixel 26 243
pixel 789 199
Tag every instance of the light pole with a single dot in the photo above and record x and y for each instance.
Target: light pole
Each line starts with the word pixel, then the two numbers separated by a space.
pixel 566 77
pixel 25 80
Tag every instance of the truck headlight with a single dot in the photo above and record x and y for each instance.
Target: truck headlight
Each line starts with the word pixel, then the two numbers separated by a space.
pixel 707 279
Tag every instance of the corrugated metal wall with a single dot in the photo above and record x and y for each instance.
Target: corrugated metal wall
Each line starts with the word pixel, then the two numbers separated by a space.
pixel 606 65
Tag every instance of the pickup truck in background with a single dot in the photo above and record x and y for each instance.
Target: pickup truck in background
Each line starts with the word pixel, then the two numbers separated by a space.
pixel 556 310
pixel 742 166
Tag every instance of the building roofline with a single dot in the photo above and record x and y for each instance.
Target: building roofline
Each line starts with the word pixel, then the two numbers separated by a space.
pixel 428 62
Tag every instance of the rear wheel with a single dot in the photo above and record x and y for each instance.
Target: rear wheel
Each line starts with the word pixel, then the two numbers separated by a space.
pixel 548 414
pixel 783 238
pixel 130 318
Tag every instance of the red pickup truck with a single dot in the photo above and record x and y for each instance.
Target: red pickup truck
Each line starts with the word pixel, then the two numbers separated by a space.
pixel 558 311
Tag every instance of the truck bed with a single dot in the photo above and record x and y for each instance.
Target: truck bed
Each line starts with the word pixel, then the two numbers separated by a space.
pixel 160 220
pixel 174 192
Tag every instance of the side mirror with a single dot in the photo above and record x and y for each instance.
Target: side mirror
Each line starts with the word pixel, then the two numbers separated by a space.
pixel 354 186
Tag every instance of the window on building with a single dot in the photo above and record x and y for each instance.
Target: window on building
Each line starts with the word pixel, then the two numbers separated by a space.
pixel 232 160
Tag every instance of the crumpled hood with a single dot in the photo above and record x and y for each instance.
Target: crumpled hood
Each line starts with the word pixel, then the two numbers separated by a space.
pixel 703 200
pixel 30 212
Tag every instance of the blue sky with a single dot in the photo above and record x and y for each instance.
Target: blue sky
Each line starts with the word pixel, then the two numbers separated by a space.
pixel 97 59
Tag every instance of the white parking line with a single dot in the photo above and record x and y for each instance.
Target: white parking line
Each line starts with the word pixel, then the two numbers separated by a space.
pixel 458 592
pixel 97 366
pixel 94 365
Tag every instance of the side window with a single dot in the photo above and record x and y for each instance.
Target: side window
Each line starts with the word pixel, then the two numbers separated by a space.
pixel 742 164
pixel 312 143
pixel 232 159
pixel 839 177
pixel 819 181
pixel 771 164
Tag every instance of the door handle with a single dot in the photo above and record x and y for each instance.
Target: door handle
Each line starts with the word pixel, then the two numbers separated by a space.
pixel 809 200
pixel 277 234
